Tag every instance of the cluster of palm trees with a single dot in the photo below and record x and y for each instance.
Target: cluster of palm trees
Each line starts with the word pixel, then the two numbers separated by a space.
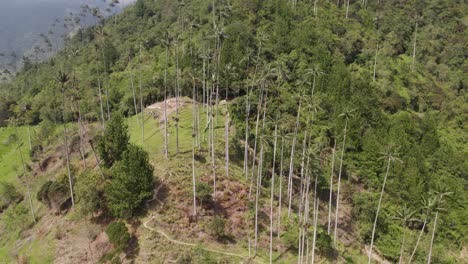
pixel 301 182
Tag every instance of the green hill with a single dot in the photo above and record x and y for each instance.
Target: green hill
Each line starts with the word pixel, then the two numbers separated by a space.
pixel 375 88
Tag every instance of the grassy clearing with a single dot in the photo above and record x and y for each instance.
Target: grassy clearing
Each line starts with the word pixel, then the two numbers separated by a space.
pixel 10 160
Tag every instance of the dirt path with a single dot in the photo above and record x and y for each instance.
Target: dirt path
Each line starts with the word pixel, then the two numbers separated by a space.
pixel 159 231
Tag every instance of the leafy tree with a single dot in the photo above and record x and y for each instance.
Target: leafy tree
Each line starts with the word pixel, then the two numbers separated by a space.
pixel 16 216
pixel 114 141
pixel 140 8
pixel 8 193
pixel 89 191
pixel 217 227
pixel 132 183
pixel 204 192
pixel 118 234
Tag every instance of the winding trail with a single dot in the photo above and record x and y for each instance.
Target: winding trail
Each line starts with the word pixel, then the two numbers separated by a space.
pixel 162 233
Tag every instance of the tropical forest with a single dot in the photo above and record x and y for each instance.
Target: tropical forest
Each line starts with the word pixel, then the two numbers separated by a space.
pixel 238 131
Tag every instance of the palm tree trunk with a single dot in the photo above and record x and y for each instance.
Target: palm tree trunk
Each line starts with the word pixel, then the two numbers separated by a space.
pixel 339 183
pixel 29 137
pixel 246 140
pixel 257 196
pixel 303 184
pixel 142 114
pixel 70 180
pixel 100 104
pixel 272 194
pixel 414 45
pixel 315 229
pixel 133 94
pixel 375 62
pixel 177 99
pixel 402 247
pixel 193 153
pixel 81 132
pixel 260 101
pixel 226 135
pixel 106 90
pixel 28 187
pixel 378 209
pixel 432 238
pixel 331 187
pixel 315 8
pixel 417 241
pixel 291 162
pixel 347 9
pixel 166 147
pixel 280 188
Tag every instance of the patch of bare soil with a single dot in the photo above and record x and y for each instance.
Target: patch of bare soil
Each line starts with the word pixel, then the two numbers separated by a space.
pixel 81 243
pixel 172 104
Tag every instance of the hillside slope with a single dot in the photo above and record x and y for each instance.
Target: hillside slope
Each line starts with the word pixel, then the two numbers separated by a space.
pixel 357 112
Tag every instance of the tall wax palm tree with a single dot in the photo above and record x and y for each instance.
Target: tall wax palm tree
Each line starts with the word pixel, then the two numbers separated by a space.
pixel 330 199
pixel 440 195
pixel 434 203
pixel 229 71
pixel 166 42
pixel 390 158
pixel 315 71
pixel 272 194
pixel 62 78
pixel 13 122
pixel 404 216
pixel 291 161
pixel 347 114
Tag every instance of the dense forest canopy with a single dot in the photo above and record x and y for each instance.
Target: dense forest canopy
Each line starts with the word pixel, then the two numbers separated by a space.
pixel 381 85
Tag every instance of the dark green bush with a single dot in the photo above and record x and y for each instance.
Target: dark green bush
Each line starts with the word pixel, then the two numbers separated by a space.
pixel 217 226
pixel 118 234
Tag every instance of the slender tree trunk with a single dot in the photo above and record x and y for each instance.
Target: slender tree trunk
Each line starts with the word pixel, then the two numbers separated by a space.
pixel 257 195
pixel 432 238
pixel 98 162
pixel 166 147
pixel 280 188
pixel 204 88
pixel 375 62
pixel 417 241
pixel 177 99
pixel 291 162
pixel 29 137
pixel 272 194
pixel 133 94
pixel 255 140
pixel 347 8
pixel 193 152
pixel 100 104
pixel 81 132
pixel 315 8
pixel 28 187
pixel 378 209
pixel 414 45
pixel 331 187
pixel 142 114
pixel 246 140
pixel 402 247
pixel 70 180
pixel 226 134
pixel 339 183
pixel 106 90
pixel 315 229
pixel 303 177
